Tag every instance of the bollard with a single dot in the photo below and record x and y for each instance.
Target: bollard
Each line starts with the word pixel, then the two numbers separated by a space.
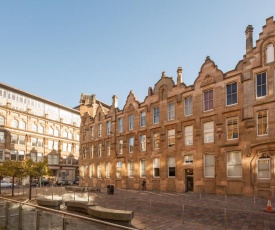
pixel 150 207
pixel 183 213
pixel 38 215
pixel 225 219
pixel 20 217
pixel 64 223
pixel 125 203
pixel 7 215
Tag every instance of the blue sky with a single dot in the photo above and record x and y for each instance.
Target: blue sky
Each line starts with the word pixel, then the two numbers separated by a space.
pixel 58 49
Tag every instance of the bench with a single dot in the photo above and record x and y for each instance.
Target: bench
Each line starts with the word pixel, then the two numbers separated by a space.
pixel 111 214
pixel 75 188
pixel 80 206
pixel 48 203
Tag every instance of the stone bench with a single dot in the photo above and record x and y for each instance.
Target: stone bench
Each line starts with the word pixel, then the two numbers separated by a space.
pixel 110 214
pixel 75 188
pixel 48 203
pixel 80 206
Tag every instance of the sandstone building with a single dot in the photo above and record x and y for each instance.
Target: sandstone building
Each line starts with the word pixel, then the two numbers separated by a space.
pixel 215 136
pixel 36 128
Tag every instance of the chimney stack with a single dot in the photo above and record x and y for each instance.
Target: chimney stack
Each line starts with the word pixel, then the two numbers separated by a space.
pixel 115 101
pixel 179 78
pixel 249 38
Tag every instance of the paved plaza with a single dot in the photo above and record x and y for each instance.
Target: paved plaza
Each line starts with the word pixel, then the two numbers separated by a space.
pixel 158 210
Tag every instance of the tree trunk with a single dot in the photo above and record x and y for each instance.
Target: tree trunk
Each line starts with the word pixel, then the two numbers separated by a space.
pixel 30 188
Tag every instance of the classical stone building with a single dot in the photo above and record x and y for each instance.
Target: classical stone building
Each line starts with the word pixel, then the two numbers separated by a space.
pixel 215 136
pixel 36 128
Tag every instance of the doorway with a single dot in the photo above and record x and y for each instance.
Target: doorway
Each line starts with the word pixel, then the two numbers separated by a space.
pixel 189 180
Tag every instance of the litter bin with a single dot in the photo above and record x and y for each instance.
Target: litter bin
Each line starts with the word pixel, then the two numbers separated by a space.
pixel 110 189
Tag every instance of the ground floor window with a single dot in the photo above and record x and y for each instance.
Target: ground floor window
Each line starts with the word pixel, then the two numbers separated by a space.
pixel 171 167
pixel 142 168
pixel 264 167
pixel 234 164
pixel 156 167
pixel 209 165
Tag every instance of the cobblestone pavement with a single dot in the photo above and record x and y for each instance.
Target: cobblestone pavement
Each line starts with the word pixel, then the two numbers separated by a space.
pixel 155 210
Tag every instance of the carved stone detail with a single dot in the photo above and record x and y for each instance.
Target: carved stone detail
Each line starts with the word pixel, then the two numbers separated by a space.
pixel 208 80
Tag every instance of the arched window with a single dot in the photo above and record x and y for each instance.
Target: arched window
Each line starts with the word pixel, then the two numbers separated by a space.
pixel 269 53
pixel 50 131
pixel 14 123
pixel 34 127
pixel 2 120
pixel 22 125
pixel 40 129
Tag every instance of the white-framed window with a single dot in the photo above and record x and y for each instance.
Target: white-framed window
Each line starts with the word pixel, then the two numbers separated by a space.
pixel 22 125
pixel 56 133
pixel 156 115
pixel 22 140
pixel 108 125
pixel 50 144
pixel 55 145
pixel 98 170
pixel 37 157
pixel 207 100
pixel 142 143
pixel 269 53
pixel 261 85
pixel 14 138
pixel 120 124
pixel 14 123
pixel 40 142
pixel 171 167
pixel 119 169
pixel 13 155
pixel 107 169
pixel 188 159
pixel 232 128
pixel 40 129
pixel 208 129
pixel 64 147
pixel 234 164
pixel 231 93
pixel 91 132
pixel 91 170
pixel 2 154
pixel 91 151
pixel 131 122
pixel 209 166
pixel 50 131
pixel 156 166
pixel 70 135
pixel 69 147
pixel 2 137
pixel 2 120
pixel 143 119
pixel 131 145
pixel 108 148
pixel 21 155
pixel 34 127
pixel 120 146
pixel 83 153
pixel 131 169
pixel 156 140
pixel 171 111
pixel 65 134
pixel 188 106
pixel 263 167
pixel 53 159
pixel 262 123
pixel 99 130
pixel 142 168
pixel 171 138
pixel 188 135
pixel 99 150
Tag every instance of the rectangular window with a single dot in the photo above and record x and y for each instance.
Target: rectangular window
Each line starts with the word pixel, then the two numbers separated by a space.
pixel 91 132
pixel 261 85
pixel 209 166
pixel 108 169
pixel 50 145
pixel 188 107
pixel 188 135
pixel 142 168
pixel 231 93
pixel 234 164
pixel 108 127
pixel 131 144
pixel 39 157
pixel 171 138
pixel 2 137
pixel 22 140
pixel 262 124
pixel 156 167
pixel 55 145
pixel 131 122
pixel 156 115
pixel 21 155
pixel 171 167
pixel 143 119
pixel 142 143
pixel 2 154
pixel 120 146
pixel 99 170
pixel 13 155
pixel 108 148
pixel 232 128
pixel 208 100
pixel 99 150
pixel 171 111
pixel 34 142
pixel 119 169
pixel 264 168
pixel 64 147
pixel 120 125
pixel 83 153
pixel 14 138
pixel 91 151
pixel 99 130
pixel 69 147
pixel 40 142
pixel 208 129
pixel 156 141
pixel 188 159
pixel 91 170
pixel 131 169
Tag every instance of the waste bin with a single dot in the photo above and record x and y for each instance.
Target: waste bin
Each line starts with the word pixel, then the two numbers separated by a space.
pixel 110 189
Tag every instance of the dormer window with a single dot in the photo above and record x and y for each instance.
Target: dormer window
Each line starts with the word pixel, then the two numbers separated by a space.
pixel 269 53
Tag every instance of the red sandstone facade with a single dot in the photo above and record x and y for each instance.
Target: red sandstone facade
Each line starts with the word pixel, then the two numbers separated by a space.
pixel 215 136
